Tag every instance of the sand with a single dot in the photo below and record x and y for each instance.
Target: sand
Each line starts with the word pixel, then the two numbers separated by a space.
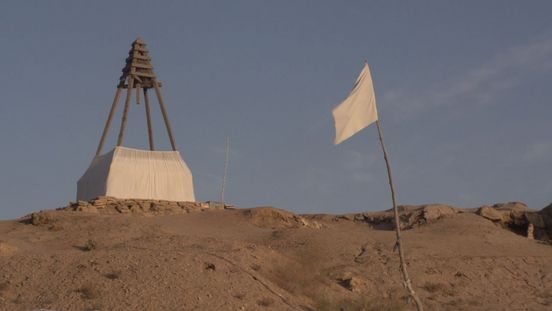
pixel 201 258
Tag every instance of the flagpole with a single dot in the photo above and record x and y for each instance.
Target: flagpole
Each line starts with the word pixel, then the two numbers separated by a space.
pixel 407 282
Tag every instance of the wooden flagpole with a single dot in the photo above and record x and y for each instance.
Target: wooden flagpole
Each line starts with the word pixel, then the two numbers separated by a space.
pixel 406 279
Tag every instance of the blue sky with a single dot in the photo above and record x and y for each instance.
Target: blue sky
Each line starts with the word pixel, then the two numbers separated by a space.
pixel 463 90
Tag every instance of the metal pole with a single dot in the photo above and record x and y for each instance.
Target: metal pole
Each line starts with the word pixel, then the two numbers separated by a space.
pixel 226 158
pixel 125 111
pixel 108 121
pixel 148 117
pixel 165 115
pixel 407 282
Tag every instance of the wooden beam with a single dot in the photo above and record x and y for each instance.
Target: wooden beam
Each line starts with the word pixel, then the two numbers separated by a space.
pixel 148 118
pixel 139 65
pixel 165 115
pixel 137 56
pixel 108 121
pixel 140 48
pixel 125 111
pixel 137 93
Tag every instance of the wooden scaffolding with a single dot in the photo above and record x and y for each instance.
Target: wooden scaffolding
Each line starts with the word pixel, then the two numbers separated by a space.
pixel 137 75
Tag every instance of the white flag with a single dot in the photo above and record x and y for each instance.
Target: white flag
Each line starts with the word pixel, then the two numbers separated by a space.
pixel 358 110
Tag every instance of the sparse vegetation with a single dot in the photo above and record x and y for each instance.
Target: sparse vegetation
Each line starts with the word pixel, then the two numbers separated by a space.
pixel 113 275
pixel 432 287
pixel 265 302
pixel 302 273
pixel 88 292
pixel 90 245
pixel 55 227
pixel 239 296
pixel 209 266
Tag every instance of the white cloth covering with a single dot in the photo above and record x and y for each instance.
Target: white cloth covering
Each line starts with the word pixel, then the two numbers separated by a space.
pixel 358 110
pixel 128 173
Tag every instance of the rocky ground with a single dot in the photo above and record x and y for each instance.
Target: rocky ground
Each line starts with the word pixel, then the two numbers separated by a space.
pixel 113 254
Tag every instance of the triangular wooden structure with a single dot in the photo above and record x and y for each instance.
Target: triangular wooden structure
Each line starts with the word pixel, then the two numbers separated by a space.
pixel 133 173
pixel 137 75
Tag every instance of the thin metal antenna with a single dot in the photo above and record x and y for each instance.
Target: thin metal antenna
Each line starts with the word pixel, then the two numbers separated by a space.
pixel 226 162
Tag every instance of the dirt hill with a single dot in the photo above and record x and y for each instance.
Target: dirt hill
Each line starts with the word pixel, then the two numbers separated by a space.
pixel 148 255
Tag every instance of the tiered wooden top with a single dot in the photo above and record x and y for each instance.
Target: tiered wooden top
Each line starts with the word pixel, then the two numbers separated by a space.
pixel 138 67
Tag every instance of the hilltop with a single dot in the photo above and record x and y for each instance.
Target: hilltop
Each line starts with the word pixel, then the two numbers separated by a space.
pixel 113 254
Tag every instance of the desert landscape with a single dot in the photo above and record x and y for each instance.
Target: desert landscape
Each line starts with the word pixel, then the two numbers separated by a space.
pixel 110 254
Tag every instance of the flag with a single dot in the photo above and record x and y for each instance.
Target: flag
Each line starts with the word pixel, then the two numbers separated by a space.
pixel 358 110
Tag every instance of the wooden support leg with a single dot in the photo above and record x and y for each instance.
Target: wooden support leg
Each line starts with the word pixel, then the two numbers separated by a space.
pixel 165 115
pixel 108 122
pixel 148 117
pixel 125 112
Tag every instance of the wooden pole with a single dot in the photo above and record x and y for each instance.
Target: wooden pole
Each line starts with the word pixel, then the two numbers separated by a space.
pixel 137 93
pixel 165 115
pixel 125 111
pixel 406 279
pixel 226 158
pixel 148 117
pixel 108 121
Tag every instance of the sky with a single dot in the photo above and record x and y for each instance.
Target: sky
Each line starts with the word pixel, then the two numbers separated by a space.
pixel 463 91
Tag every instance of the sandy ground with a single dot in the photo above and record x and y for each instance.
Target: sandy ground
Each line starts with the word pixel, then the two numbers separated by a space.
pixel 265 259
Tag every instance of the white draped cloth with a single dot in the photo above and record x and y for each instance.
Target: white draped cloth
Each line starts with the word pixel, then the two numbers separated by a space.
pixel 128 173
pixel 358 110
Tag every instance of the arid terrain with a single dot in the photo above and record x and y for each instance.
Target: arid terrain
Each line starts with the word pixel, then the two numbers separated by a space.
pixel 146 255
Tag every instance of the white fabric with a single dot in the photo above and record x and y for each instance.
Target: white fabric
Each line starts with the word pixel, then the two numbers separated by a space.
pixel 128 173
pixel 358 110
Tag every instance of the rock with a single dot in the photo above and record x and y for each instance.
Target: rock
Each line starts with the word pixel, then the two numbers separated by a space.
pixel 43 218
pixel 531 232
pixel 145 205
pixel 535 219
pixel 87 209
pixel 492 214
pixel 209 266
pixel 517 217
pixel 352 283
pixel 434 212
pixel 135 209
pixel 122 208
pixel 349 217
pixel 546 214
pixel 511 206
pixel 215 205
pixel 204 205
pixel 270 217
pixel 175 209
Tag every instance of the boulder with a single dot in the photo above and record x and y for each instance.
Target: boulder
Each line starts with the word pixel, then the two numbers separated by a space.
pixel 511 206
pixel 433 212
pixel 536 219
pixel 43 218
pixel 493 214
pixel 351 282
